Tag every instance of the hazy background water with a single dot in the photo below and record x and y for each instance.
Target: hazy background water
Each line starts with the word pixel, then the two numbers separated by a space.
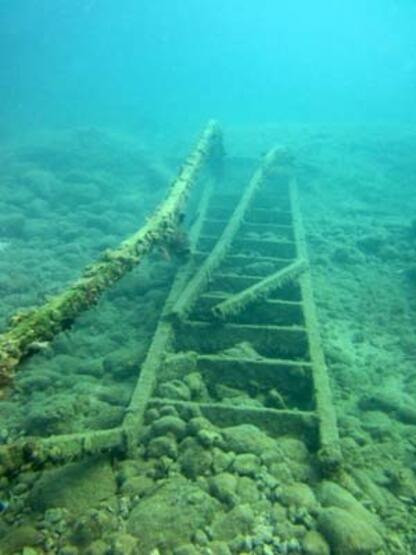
pixel 155 63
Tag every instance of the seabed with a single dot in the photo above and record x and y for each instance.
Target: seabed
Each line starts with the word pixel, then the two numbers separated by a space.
pixel 223 366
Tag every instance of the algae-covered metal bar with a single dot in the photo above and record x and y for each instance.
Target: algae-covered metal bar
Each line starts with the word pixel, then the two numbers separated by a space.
pixel 188 297
pixel 238 302
pixel 162 338
pixel 330 451
pixel 28 454
pixel 28 330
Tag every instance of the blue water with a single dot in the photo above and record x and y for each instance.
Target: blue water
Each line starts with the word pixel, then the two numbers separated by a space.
pixel 177 62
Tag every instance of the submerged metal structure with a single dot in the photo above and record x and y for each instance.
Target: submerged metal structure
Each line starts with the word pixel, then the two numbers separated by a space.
pixel 240 314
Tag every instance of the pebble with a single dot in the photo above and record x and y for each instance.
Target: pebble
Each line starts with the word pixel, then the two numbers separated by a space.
pixel 20 488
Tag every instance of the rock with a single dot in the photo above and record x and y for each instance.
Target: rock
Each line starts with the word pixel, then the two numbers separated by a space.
pixel 198 423
pixel 169 425
pixel 129 468
pixel 272 456
pixel 209 438
pixel 174 389
pixel 227 394
pixel 247 438
pixel 196 461
pixel 151 415
pixel 168 410
pixel 91 526
pixel 98 547
pixel 196 386
pixel 137 485
pixel 240 520
pixel 75 487
pixel 53 516
pixel 123 544
pixel 54 418
pixel 187 549
pixel 18 538
pixel 155 524
pixel 278 514
pixel 122 363
pixel 314 544
pixel 238 544
pixel 268 481
pixel 294 449
pixel 65 550
pixel 378 424
pixel 104 416
pixel 347 255
pixel 247 464
pixel 331 494
pixel 223 487
pixel 178 365
pixel 347 534
pixel 247 490
pixel 363 479
pixel 293 546
pixel 200 538
pixel 281 472
pixel 222 460
pixel 298 495
pixel 162 446
pixel 220 548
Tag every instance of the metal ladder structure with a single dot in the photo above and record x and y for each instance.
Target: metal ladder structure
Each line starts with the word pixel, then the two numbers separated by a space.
pixel 240 315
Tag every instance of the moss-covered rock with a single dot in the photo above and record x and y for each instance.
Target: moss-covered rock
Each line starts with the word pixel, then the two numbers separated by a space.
pixel 170 517
pixel 239 521
pixel 123 544
pixel 247 438
pixel 186 549
pixel 76 486
pixel 19 537
pixel 298 495
pixel 91 526
pixel 198 423
pixel 222 461
pixel 247 464
pixel 195 460
pixel 174 389
pixel 138 485
pixel 219 548
pixel 162 446
pixel 313 543
pixel 247 490
pixel 168 425
pixel 347 534
pixel 196 386
pixel 294 449
pixel 332 494
pixel 223 487
pixel 98 547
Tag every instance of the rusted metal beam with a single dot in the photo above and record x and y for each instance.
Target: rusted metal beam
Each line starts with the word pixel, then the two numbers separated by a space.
pixel 238 302
pixel 33 453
